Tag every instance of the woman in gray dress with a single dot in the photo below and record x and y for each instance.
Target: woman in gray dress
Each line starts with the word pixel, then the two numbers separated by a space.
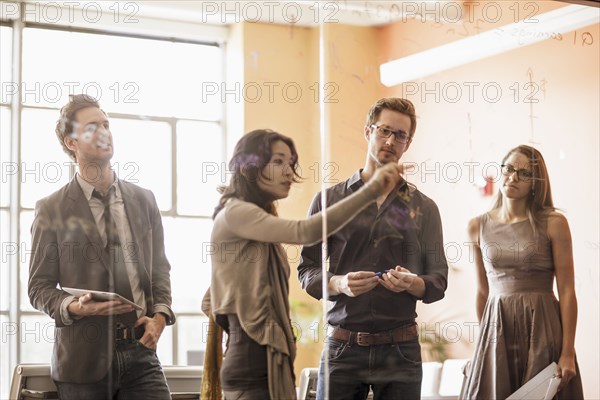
pixel 521 245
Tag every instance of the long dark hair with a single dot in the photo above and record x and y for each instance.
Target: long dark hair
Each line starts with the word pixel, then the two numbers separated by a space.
pixel 251 154
pixel 539 202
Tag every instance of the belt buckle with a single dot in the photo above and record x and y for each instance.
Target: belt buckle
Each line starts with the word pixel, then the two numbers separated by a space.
pixel 125 333
pixel 361 339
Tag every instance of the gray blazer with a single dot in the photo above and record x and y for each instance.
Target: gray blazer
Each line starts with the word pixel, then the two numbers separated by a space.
pixel 67 250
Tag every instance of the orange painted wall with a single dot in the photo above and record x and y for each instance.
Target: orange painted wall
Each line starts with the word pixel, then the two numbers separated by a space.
pixel 280 56
pixel 282 62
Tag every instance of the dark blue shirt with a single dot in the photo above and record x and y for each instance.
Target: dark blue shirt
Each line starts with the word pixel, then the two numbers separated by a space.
pixel 406 230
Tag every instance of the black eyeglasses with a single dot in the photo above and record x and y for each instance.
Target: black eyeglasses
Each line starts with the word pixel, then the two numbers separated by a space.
pixel 523 174
pixel 399 136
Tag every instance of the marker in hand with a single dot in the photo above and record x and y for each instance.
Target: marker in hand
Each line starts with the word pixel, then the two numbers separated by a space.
pixel 380 274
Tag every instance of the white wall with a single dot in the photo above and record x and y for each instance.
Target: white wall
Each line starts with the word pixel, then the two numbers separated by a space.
pixel 563 77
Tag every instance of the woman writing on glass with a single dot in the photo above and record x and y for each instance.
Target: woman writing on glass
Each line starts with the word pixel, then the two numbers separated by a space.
pixel 249 284
pixel 521 245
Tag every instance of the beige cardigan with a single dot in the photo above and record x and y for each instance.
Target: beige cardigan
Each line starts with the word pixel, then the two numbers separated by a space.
pixel 250 275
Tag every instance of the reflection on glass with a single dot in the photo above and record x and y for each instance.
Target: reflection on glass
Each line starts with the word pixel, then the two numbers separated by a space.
pixel 192 333
pixel 143 156
pixel 36 335
pixel 5 61
pixel 25 257
pixel 188 248
pixel 200 167
pixel 44 164
pixel 5 371
pixel 4 266
pixel 131 79
pixel 5 155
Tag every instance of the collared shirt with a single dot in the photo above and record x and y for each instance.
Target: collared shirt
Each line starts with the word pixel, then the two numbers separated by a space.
pixel 405 230
pixel 117 208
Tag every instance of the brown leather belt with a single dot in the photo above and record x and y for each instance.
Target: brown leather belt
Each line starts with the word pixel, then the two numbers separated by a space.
pixel 398 335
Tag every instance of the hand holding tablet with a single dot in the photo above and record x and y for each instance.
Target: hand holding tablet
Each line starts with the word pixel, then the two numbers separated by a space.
pixel 101 296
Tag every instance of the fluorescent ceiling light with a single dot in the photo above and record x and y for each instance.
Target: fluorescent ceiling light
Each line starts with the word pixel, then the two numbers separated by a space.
pixel 488 44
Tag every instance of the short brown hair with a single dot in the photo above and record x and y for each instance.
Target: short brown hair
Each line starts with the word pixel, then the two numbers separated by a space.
pixel 403 106
pixel 64 126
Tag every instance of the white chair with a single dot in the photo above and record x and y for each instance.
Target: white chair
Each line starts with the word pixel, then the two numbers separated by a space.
pixel 430 385
pixel 32 381
pixel 184 382
pixel 452 377
pixel 307 388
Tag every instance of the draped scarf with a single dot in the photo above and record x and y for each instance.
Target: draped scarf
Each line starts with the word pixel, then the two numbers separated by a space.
pixel 273 330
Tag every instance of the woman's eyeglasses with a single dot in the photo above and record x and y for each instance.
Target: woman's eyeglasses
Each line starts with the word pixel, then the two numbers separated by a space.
pixel 523 173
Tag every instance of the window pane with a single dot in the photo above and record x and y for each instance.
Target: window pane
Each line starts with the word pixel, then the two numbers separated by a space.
pixel 131 77
pixel 5 155
pixel 4 276
pixel 44 165
pixel 164 351
pixel 25 257
pixel 6 63
pixel 143 156
pixel 192 333
pixel 5 371
pixel 200 167
pixel 188 251
pixel 37 338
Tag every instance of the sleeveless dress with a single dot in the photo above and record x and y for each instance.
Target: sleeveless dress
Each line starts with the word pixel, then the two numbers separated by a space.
pixel 520 330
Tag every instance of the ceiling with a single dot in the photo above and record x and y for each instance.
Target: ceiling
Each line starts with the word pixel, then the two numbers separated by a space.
pixel 310 12
pixel 301 13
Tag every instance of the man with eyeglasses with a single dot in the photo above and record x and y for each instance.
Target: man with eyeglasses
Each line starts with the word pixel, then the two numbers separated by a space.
pixel 384 261
pixel 99 233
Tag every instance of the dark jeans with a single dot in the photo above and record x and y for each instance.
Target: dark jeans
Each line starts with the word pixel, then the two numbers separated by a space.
pixel 136 373
pixel 393 371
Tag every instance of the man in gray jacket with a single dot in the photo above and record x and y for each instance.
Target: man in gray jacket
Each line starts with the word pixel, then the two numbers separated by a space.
pixel 103 234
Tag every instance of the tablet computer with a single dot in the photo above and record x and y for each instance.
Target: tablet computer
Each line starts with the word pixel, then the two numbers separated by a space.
pixel 101 296
pixel 542 386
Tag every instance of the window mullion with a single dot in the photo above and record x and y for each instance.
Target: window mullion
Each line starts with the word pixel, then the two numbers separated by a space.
pixel 14 305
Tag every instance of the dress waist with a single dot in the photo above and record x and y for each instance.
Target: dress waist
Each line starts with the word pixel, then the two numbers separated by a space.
pixel 508 286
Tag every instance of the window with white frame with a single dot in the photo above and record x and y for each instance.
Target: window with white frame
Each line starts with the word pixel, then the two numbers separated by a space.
pixel 165 135
pixel 5 143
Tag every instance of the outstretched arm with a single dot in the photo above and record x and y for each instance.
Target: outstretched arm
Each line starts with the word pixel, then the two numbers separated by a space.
pixel 249 221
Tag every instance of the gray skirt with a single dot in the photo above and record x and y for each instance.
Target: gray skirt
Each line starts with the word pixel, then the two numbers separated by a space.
pixel 520 334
